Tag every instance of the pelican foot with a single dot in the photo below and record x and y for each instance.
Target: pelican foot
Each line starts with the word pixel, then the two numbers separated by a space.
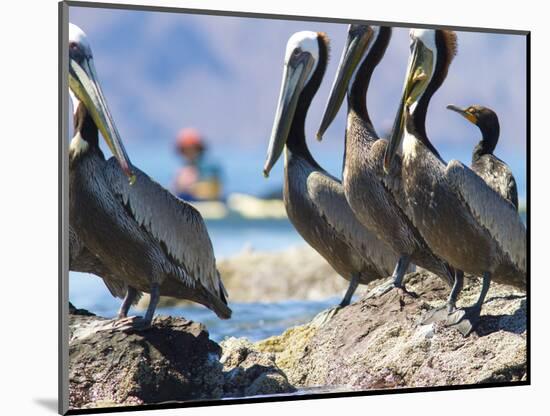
pixel 384 288
pixel 464 320
pixel 436 315
pixel 325 316
pixel 381 290
pixel 131 323
pixel 440 314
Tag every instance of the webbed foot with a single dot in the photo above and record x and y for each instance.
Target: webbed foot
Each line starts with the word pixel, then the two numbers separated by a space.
pixel 381 290
pixel 325 316
pixel 436 315
pixel 131 323
pixel 465 320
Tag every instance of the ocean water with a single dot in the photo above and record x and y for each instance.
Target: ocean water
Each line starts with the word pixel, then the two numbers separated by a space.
pixel 252 320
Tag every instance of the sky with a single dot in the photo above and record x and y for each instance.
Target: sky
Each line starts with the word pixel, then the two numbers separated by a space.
pixel 164 71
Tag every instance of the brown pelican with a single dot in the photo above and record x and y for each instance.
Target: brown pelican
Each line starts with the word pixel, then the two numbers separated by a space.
pixel 463 220
pixel 494 171
pixel 372 196
pixel 315 200
pixel 84 261
pixel 144 239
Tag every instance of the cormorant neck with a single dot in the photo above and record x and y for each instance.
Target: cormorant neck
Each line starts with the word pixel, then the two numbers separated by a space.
pixel 488 142
pixel 357 92
pixel 296 142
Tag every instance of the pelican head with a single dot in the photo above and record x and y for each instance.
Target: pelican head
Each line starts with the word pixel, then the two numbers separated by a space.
pixel 301 59
pixel 431 54
pixel 355 51
pixel 85 88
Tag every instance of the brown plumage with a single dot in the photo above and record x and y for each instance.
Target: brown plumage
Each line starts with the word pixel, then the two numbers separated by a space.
pixel 136 235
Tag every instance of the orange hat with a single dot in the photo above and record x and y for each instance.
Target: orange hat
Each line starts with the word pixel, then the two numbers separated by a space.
pixel 189 137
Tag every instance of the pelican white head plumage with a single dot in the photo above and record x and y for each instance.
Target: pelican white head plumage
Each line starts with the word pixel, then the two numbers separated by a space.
pixel 86 90
pixel 301 60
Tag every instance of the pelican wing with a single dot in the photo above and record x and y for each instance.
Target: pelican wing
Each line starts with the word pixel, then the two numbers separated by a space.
pixel 84 261
pixel 327 193
pixel 176 225
pixel 495 214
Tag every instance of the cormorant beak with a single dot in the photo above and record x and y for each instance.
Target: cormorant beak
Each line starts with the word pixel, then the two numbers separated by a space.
pixel 295 74
pixel 418 76
pixel 463 112
pixel 84 83
pixel 356 45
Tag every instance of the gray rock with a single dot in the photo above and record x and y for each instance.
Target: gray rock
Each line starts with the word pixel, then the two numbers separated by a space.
pixel 380 343
pixel 245 366
pixel 173 361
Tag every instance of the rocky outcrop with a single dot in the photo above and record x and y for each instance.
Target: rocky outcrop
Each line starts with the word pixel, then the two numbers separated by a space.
pixel 244 365
pixel 380 342
pixel 173 361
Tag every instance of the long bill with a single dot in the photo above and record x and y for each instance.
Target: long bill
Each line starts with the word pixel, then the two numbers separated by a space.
pixel 463 112
pixel 356 45
pixel 295 75
pixel 84 83
pixel 419 73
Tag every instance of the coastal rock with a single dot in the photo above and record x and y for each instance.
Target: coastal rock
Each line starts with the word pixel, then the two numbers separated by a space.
pixel 173 361
pixel 244 365
pixel 375 343
pixel 380 342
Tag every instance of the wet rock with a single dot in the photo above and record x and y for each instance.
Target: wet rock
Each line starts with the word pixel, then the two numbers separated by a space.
pixel 256 371
pixel 380 342
pixel 173 361
pixel 375 343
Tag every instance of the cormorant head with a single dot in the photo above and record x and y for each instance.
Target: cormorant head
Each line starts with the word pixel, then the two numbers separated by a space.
pixel 483 117
pixel 303 53
pixel 86 90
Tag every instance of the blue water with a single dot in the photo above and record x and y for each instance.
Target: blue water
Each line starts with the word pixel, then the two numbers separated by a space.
pixel 252 320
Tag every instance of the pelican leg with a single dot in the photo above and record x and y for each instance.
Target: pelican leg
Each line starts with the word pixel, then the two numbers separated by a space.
pixel 466 319
pixel 399 272
pixel 442 314
pixel 137 323
pixel 455 291
pixel 323 317
pixel 396 279
pixel 129 299
pixel 155 297
pixel 351 290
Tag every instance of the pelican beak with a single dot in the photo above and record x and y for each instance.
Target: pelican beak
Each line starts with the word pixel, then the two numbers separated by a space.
pixel 419 73
pixel 356 45
pixel 295 74
pixel 463 112
pixel 84 83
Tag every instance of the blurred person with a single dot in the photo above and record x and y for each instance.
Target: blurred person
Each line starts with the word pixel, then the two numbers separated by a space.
pixel 200 178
